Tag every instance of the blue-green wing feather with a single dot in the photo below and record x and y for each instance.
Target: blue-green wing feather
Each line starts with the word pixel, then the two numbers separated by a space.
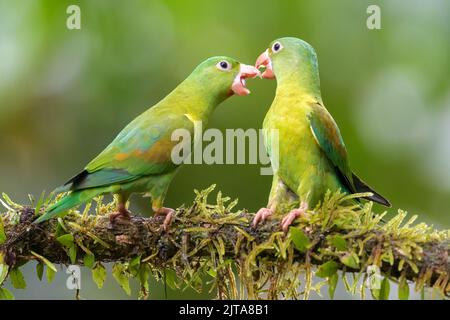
pixel 328 137
pixel 142 148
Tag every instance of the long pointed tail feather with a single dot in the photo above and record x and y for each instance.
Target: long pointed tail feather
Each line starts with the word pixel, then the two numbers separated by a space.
pixel 71 200
pixel 361 186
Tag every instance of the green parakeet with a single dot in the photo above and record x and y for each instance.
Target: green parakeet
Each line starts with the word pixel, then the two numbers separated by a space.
pixel 139 159
pixel 312 155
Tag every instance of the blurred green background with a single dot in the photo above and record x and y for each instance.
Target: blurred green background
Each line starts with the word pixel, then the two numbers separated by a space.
pixel 65 94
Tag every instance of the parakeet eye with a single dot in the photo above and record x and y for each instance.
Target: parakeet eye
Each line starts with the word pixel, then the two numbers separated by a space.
pixel 224 65
pixel 277 47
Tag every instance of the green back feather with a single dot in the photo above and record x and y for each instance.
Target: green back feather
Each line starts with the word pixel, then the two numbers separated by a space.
pixel 143 148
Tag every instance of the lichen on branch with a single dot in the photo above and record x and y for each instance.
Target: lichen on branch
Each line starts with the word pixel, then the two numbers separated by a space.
pixel 213 247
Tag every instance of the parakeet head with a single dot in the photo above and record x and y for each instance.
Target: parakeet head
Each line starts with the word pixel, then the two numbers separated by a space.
pixel 223 76
pixel 286 56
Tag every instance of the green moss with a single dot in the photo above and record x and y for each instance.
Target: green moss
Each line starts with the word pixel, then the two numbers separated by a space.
pixel 213 248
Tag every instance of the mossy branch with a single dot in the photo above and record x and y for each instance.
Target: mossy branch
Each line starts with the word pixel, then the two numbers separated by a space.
pixel 212 241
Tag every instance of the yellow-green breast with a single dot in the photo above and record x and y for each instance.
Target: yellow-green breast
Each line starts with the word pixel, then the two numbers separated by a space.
pixel 303 166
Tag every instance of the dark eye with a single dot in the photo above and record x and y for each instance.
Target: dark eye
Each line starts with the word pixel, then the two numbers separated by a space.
pixel 224 65
pixel 276 47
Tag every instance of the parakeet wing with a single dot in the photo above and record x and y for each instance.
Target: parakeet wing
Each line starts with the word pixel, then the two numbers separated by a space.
pixel 328 137
pixel 142 148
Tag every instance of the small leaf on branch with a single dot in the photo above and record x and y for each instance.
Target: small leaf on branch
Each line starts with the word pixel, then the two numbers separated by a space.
pixel 119 273
pixel 300 240
pixel 66 240
pixel 17 279
pixel 40 270
pixel 99 275
pixel 5 294
pixel 327 269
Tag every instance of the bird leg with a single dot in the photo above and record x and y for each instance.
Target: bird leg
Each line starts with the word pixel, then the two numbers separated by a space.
pixel 292 215
pixel 261 216
pixel 122 212
pixel 168 213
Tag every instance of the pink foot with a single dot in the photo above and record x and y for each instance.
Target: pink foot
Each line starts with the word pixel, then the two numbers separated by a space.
pixel 168 213
pixel 292 215
pixel 261 216
pixel 122 213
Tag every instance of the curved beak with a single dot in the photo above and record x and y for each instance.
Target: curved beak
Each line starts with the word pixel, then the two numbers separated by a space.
pixel 245 71
pixel 264 61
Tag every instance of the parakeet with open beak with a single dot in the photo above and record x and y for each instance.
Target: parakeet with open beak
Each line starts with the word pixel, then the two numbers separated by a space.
pixel 139 159
pixel 312 155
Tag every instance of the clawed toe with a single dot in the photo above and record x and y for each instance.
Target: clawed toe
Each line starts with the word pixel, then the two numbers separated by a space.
pixel 168 213
pixel 290 218
pixel 168 220
pixel 261 216
pixel 119 215
pixel 292 215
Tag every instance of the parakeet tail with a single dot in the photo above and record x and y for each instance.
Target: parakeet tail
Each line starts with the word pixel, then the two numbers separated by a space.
pixel 69 185
pixel 361 186
pixel 71 200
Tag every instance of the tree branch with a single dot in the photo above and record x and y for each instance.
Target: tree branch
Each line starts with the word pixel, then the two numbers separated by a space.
pixel 206 239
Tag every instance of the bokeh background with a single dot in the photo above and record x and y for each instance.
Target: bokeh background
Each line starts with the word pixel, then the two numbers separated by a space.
pixel 65 94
